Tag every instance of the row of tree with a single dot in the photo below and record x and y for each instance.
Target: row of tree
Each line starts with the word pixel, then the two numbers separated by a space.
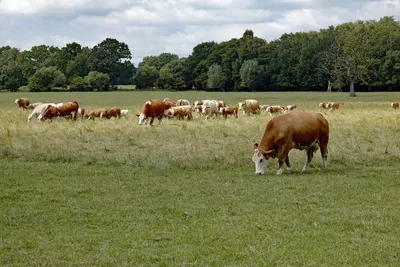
pixel 365 54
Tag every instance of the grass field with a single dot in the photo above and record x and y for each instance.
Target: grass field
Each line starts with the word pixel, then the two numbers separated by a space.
pixel 113 193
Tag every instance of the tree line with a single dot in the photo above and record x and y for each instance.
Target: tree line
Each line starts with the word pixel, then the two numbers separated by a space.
pixel 364 55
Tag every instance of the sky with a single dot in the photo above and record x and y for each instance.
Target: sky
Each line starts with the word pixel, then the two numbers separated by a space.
pixel 152 27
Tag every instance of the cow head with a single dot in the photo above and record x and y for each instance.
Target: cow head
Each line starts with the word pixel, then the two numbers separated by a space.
pixel 221 110
pixel 260 159
pixel 141 118
pixel 240 105
pixel 204 108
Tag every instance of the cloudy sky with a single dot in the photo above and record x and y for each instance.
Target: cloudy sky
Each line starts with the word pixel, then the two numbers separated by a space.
pixel 151 27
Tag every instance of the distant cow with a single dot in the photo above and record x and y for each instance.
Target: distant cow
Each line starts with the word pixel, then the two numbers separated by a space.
pixel 39 110
pixel 180 112
pixel 94 113
pixel 289 108
pixel 210 108
pixel 249 106
pixel 152 109
pixel 329 105
pixel 275 110
pixel 22 102
pixel 182 102
pixel 64 109
pixel 300 130
pixel 395 105
pixel 110 113
pixel 225 111
pixel 263 108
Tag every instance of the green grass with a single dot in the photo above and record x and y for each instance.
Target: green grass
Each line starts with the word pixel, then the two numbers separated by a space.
pixel 107 193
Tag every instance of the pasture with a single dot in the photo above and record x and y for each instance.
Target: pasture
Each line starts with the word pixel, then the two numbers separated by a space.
pixel 113 193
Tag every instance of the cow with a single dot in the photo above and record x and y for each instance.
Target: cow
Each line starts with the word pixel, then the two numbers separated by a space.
pixel 94 113
pixel 64 109
pixel 300 130
pixel 325 105
pixel 125 113
pixel 289 108
pixel 221 104
pixel 81 113
pixel 182 102
pixel 23 103
pixel 275 110
pixel 249 106
pixel 169 103
pixel 152 109
pixel 209 108
pixel 111 113
pixel 198 106
pixel 232 110
pixel 395 105
pixel 39 110
pixel 180 112
pixel 263 108
pixel 329 105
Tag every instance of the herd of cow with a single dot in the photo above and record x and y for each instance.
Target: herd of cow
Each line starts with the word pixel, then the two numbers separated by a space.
pixel 300 130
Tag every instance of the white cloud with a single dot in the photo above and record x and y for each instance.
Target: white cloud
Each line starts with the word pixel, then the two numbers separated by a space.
pixel 151 27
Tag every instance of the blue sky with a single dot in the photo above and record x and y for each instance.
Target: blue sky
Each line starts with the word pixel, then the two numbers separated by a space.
pixel 151 27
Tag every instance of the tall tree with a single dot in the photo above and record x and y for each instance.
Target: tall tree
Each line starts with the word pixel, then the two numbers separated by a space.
pixel 216 78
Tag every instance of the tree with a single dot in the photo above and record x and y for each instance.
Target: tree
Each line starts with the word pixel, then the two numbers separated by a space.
pixel 97 81
pixel 79 66
pixel 45 79
pixel 77 84
pixel 250 74
pixel 146 76
pixel 216 79
pixel 110 57
pixel 11 77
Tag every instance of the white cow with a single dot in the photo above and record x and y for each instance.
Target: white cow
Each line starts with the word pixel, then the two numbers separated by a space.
pixel 39 110
pixel 250 106
pixel 210 107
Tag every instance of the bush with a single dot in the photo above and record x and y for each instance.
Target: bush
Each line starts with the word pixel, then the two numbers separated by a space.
pixel 46 78
pixel 77 84
pixel 97 81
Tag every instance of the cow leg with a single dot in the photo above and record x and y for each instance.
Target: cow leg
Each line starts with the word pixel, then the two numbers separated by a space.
pixel 310 154
pixel 288 167
pixel 283 157
pixel 324 154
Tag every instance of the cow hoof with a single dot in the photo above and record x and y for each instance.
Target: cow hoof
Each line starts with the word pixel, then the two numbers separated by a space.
pixel 289 169
pixel 279 172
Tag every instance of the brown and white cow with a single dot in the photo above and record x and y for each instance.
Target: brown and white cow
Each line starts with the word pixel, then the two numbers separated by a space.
pixel 263 108
pixel 289 108
pixel 275 110
pixel 22 102
pixel 182 102
pixel 39 110
pixel 249 106
pixel 94 113
pixel 180 112
pixel 152 109
pixel 395 105
pixel 232 110
pixel 110 113
pixel 300 130
pixel 64 109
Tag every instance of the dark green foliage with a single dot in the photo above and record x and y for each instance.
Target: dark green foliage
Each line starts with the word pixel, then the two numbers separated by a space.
pixel 97 81
pixel 77 84
pixel 45 79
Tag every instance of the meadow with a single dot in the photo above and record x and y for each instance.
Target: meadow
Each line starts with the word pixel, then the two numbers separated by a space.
pixel 113 193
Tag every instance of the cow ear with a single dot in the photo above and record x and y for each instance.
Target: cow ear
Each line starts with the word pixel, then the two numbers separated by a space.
pixel 255 145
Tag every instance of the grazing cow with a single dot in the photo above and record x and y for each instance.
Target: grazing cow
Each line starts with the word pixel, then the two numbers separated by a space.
pixel 125 113
pixel 180 112
pixel 274 110
pixel 152 109
pixel 64 109
pixel 249 106
pixel 225 111
pixel 395 105
pixel 182 102
pixel 81 113
pixel 289 108
pixel 94 113
pixel 263 108
pixel 22 102
pixel 198 106
pixel 39 110
pixel 300 130
pixel 221 104
pixel 111 113
pixel 210 108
